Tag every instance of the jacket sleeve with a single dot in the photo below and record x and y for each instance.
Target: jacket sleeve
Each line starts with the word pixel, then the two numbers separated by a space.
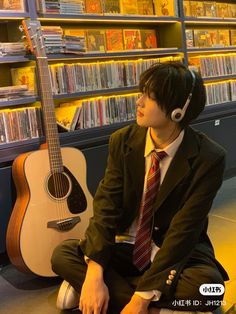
pixel 183 234
pixel 107 206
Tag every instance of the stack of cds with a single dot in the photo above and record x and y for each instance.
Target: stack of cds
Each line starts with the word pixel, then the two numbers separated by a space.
pixel 11 92
pixel 74 41
pixel 50 7
pixel 11 49
pixel 53 39
pixel 72 7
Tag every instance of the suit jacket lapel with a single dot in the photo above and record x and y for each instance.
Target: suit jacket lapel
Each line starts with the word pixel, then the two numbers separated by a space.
pixel 179 167
pixel 135 160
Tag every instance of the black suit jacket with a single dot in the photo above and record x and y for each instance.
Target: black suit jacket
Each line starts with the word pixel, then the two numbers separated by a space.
pixel 181 208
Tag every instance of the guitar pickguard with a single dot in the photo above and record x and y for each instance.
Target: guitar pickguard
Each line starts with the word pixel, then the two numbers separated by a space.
pixel 76 200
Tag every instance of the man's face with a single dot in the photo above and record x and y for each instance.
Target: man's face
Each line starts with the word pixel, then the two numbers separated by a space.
pixel 149 113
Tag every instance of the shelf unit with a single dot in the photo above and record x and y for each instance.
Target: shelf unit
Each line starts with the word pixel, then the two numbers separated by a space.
pixel 203 23
pixel 170 45
pixel 94 141
pixel 9 31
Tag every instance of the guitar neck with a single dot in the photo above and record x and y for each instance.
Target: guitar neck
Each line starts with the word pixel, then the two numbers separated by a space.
pixel 35 40
pixel 50 123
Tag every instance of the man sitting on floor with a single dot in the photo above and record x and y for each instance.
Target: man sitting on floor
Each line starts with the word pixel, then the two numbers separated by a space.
pixel 146 248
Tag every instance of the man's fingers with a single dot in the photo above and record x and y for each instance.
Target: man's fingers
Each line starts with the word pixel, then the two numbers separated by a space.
pixel 105 307
pixel 97 310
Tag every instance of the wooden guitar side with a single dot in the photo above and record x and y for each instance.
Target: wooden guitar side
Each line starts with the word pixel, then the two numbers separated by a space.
pixel 17 216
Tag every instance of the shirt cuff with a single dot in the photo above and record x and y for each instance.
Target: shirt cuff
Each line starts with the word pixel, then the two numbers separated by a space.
pixel 86 259
pixel 153 295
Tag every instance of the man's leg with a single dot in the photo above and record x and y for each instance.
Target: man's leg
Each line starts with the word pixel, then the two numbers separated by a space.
pixel 187 296
pixel 68 262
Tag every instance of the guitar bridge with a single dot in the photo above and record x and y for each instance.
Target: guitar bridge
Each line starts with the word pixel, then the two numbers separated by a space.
pixel 65 224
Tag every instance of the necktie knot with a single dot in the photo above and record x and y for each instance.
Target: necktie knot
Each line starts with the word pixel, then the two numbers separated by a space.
pixel 156 157
pixel 159 155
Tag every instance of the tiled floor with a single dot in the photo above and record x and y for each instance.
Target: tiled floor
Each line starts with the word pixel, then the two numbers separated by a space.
pixel 222 230
pixel 28 294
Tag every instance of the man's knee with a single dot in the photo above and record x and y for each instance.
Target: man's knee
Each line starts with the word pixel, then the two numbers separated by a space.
pixel 193 277
pixel 56 260
pixel 62 253
pixel 190 281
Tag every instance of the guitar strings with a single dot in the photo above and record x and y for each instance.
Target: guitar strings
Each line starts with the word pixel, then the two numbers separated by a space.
pixel 56 166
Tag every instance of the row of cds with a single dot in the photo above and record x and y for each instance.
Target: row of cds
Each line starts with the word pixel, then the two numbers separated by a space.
pixel 76 40
pixel 215 65
pixel 72 7
pixel 13 92
pixel 20 124
pixel 96 112
pixel 58 41
pixel 25 123
pixel 100 111
pixel 81 77
pixel 109 7
pixel 221 92
pixel 12 49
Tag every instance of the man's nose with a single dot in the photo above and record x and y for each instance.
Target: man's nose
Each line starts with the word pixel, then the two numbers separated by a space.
pixel 139 102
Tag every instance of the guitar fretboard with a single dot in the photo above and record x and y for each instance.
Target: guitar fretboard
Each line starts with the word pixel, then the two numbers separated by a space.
pixel 50 123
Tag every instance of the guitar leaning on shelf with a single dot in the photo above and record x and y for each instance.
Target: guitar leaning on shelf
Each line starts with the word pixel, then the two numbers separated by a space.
pixel 53 202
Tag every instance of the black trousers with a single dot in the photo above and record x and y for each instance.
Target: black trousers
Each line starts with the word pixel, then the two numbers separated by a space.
pixel 121 277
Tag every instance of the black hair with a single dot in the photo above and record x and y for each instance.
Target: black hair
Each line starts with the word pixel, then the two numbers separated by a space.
pixel 169 83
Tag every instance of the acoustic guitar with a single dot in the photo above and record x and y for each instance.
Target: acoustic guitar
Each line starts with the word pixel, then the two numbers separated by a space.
pixel 53 202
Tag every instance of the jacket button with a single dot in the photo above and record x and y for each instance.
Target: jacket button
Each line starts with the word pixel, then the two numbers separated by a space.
pixel 156 228
pixel 171 277
pixel 168 282
pixel 173 272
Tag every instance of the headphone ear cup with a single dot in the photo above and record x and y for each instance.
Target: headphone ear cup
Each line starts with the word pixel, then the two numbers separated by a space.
pixel 177 115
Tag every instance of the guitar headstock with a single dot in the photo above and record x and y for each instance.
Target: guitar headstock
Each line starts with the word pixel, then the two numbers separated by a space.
pixel 34 36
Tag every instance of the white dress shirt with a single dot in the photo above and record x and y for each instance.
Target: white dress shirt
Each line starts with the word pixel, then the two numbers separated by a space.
pixel 130 234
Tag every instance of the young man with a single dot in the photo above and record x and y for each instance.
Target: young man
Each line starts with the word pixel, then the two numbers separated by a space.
pixel 146 247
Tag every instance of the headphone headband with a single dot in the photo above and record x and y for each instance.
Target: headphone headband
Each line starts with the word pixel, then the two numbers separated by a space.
pixel 178 114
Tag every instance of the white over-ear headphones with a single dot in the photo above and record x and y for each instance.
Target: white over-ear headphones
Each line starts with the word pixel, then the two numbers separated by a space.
pixel 178 114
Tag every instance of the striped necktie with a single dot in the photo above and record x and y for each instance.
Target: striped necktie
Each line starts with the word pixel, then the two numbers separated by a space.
pixel 142 246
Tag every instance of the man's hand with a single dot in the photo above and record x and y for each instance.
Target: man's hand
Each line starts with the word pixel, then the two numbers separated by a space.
pixel 94 294
pixel 137 305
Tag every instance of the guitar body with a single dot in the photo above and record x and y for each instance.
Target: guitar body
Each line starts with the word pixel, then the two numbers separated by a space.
pixel 48 209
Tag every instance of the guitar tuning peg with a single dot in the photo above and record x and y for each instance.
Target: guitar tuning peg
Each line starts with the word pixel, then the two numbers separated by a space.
pixel 21 28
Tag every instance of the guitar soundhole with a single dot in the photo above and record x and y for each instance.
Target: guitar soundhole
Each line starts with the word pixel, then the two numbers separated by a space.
pixel 59 185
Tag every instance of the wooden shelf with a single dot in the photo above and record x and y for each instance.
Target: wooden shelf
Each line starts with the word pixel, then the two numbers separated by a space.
pixel 207 20
pixel 211 49
pixel 13 15
pixel 18 101
pixel 13 59
pixel 219 78
pixel 99 92
pixel 217 111
pixel 115 54
pixel 114 19
pixel 9 151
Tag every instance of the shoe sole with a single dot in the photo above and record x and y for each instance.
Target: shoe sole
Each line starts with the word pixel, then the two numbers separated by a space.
pixel 67 297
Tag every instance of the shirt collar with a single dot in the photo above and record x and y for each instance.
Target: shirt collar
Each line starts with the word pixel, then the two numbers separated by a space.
pixel 170 149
